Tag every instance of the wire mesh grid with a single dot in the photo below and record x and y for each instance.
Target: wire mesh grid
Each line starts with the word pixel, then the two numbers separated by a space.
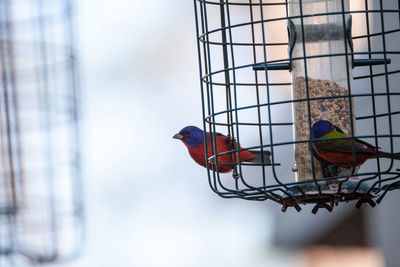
pixel 41 207
pixel 246 56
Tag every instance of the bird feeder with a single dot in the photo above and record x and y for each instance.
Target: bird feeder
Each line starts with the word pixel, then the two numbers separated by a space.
pixel 321 75
pixel 270 69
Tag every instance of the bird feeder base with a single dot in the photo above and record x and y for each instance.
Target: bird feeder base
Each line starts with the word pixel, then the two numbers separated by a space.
pixel 328 195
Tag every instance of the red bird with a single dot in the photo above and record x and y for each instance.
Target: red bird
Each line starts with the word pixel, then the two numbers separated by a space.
pixel 193 138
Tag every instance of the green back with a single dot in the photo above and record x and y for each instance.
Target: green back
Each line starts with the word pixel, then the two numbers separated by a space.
pixel 334 144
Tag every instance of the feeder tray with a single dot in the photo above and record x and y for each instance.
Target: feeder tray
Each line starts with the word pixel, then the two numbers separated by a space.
pixel 327 194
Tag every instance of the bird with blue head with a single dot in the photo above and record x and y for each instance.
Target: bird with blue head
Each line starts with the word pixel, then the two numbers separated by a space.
pixel 194 140
pixel 191 136
pixel 340 151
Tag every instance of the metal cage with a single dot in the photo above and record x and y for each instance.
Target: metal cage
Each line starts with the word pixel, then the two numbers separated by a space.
pixel 248 60
pixel 41 205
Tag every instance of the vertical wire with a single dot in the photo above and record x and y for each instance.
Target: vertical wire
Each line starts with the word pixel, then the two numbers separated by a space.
pixel 257 91
pixel 268 97
pixel 226 67
pixel 386 80
pixel 398 8
pixel 287 10
pixel 329 43
pixel 14 92
pixel 43 91
pixel 206 141
pixel 213 141
pixel 6 51
pixel 12 202
pixel 12 122
pixel 235 148
pixel 371 79
pixel 208 94
pixel 74 87
pixel 213 136
pixel 214 188
pixel 235 100
pixel 291 92
pixel 228 93
pixel 350 97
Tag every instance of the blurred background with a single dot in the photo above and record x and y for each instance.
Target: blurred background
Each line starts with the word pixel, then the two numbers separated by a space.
pixel 146 202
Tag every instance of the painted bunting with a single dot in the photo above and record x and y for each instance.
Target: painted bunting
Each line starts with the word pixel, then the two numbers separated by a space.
pixel 340 151
pixel 330 169
pixel 193 138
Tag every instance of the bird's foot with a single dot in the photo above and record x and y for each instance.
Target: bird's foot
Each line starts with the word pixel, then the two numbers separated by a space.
pixel 231 141
pixel 235 174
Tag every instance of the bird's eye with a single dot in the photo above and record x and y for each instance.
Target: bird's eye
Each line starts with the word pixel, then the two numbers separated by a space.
pixel 188 133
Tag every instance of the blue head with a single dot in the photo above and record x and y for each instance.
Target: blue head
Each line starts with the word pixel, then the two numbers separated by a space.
pixel 320 128
pixel 191 136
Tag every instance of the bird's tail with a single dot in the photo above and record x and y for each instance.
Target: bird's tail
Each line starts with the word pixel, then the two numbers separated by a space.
pixel 260 156
pixel 381 154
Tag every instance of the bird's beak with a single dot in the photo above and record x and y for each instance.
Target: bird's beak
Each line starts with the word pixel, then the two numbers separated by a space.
pixel 178 136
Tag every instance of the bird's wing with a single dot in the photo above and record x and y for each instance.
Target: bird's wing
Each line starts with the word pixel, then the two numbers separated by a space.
pixel 210 136
pixel 338 129
pixel 367 144
pixel 222 141
pixel 344 146
pixel 223 138
pixel 358 140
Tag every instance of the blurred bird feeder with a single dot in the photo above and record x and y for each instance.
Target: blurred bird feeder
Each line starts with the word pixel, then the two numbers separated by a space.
pixel 263 87
pixel 41 200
